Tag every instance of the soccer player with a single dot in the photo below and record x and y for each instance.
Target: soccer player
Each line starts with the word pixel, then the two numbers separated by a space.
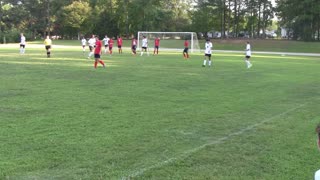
pixel 22 43
pixel 208 50
pixel 106 43
pixel 186 48
pixel 134 45
pixel 83 43
pixel 92 42
pixel 110 46
pixel 156 45
pixel 48 44
pixel 119 42
pixel 97 53
pixel 248 55
pixel 144 46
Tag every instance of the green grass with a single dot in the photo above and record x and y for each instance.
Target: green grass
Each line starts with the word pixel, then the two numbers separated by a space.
pixel 157 117
pixel 230 44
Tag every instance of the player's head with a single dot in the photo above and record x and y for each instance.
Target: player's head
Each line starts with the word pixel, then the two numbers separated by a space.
pixel 105 36
pixel 144 36
pixel 208 39
pixel 248 42
pixel 97 37
pixel 47 37
pixel 21 34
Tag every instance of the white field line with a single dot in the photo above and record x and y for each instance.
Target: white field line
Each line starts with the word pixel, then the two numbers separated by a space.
pixel 187 153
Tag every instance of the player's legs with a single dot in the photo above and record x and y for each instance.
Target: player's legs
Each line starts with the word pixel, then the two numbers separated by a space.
pixel 110 50
pixel 48 51
pixel 22 48
pixel 249 65
pixel 83 48
pixel 97 59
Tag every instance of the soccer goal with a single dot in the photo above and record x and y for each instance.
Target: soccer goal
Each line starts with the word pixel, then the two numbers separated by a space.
pixel 170 41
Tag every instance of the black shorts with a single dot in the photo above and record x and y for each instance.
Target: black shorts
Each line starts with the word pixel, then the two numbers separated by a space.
pixel 208 55
pixel 91 48
pixel 134 47
pixel 22 45
pixel 145 48
pixel 48 47
pixel 186 50
pixel 110 48
pixel 97 56
pixel 156 47
pixel 106 45
pixel 83 46
pixel 119 47
pixel 248 57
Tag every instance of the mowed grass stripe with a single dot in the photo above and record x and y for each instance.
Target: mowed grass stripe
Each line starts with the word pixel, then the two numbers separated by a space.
pixel 67 120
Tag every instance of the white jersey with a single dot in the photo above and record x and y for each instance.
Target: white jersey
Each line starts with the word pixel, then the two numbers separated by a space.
pixel 92 42
pixel 145 42
pixel 106 40
pixel 23 40
pixel 83 42
pixel 208 47
pixel 317 175
pixel 248 50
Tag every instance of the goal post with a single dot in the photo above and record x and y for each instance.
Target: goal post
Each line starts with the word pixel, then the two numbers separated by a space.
pixel 170 41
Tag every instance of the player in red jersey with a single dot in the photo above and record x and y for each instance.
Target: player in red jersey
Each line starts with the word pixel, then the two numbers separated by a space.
pixel 186 48
pixel 97 53
pixel 156 45
pixel 134 45
pixel 119 42
pixel 110 45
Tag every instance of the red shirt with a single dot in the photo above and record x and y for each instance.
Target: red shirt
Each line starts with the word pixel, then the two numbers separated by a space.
pixel 157 42
pixel 186 44
pixel 119 41
pixel 110 42
pixel 97 50
pixel 134 42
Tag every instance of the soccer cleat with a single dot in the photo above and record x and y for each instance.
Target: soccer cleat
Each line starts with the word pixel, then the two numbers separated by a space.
pixel 249 66
pixel 203 65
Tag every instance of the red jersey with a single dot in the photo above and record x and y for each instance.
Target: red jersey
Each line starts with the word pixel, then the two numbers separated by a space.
pixel 157 42
pixel 97 50
pixel 134 42
pixel 186 44
pixel 110 42
pixel 119 41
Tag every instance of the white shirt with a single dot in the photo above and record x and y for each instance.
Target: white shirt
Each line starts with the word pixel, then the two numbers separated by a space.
pixel 145 42
pixel 106 40
pixel 23 40
pixel 83 42
pixel 92 42
pixel 208 47
pixel 248 50
pixel 317 175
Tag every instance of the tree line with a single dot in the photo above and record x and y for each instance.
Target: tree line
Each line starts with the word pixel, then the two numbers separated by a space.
pixel 231 18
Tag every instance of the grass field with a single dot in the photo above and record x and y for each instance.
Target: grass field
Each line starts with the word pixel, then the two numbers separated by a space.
pixel 157 117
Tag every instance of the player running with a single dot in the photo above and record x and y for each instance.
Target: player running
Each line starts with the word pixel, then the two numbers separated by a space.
pixel 97 53
pixel 83 43
pixel 144 46
pixel 48 44
pixel 208 50
pixel 22 43
pixel 156 45
pixel 248 55
pixel 91 42
pixel 186 48
pixel 134 45
pixel 106 43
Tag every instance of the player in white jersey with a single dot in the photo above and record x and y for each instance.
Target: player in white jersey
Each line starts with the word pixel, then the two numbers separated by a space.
pixel 144 46
pixel 106 40
pixel 83 43
pixel 248 55
pixel 92 43
pixel 207 53
pixel 22 43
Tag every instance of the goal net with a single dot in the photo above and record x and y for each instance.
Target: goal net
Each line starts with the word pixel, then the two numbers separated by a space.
pixel 170 41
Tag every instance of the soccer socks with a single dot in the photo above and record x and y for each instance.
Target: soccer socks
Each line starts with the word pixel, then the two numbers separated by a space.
pixel 141 53
pixel 204 62
pixel 95 64
pixel 209 62
pixel 248 63
pixel 48 54
pixel 101 62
